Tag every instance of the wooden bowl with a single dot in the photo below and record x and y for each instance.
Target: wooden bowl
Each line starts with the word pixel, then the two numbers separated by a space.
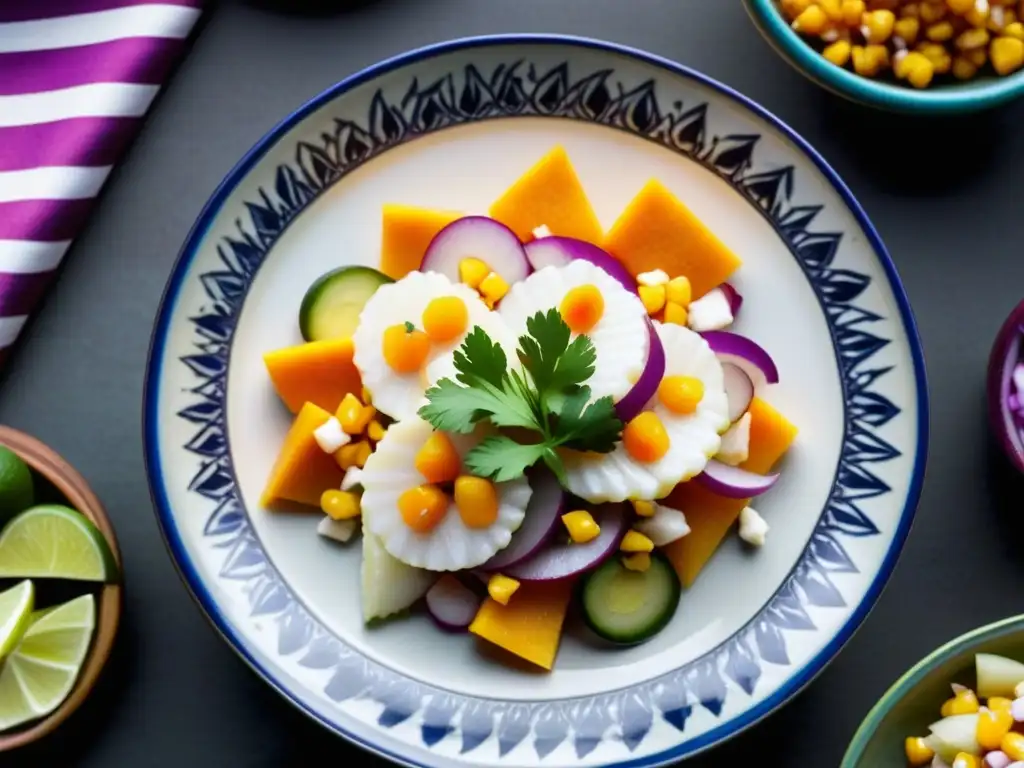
pixel 72 486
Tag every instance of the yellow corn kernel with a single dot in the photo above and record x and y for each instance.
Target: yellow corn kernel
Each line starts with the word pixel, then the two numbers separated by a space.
pixel 653 297
pixel 910 11
pixel 472 272
pixel 960 6
pixel 932 12
pixel 869 60
pixel 445 318
pixel 582 308
pixel 644 508
pixel 676 313
pixel 966 760
pixel 346 455
pixel 904 65
pixel 679 291
pixel 907 29
pixel 999 703
pixel 681 394
pixel 812 21
pixel 833 9
pixel 992 726
pixel 351 415
pixel 918 753
pixel 963 68
pixel 977 17
pixel 1014 30
pixel 363 449
pixel 339 505
pixel 852 12
pixel 1001 21
pixel 375 431
pixel 877 26
pixel 634 541
pixel 940 31
pixel 645 437
pixel 638 561
pixel 1007 54
pixel 964 702
pixel 938 56
pixel 793 8
pixel 1013 745
pixel 476 498
pixel 366 396
pixel 971 39
pixel 501 588
pixel 438 460
pixel 581 526
pixel 977 57
pixel 493 288
pixel 423 508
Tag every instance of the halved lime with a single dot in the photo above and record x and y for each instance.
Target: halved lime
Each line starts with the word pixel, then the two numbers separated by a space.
pixel 42 670
pixel 54 541
pixel 16 606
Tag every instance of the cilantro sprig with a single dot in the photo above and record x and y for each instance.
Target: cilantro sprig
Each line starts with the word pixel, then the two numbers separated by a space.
pixel 539 406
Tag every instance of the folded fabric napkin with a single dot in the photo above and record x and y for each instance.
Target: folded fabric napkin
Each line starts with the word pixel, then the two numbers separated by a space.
pixel 76 79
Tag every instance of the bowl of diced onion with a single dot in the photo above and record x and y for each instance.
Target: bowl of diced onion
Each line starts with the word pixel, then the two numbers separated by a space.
pixel 928 57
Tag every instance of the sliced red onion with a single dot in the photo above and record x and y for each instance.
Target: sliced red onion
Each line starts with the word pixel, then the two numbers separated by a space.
pixel 1017 710
pixel 739 390
pixel 477 237
pixel 745 354
pixel 451 604
pixel 647 385
pixel 563 560
pixel 734 297
pixel 997 759
pixel 558 251
pixel 1003 361
pixel 733 482
pixel 543 514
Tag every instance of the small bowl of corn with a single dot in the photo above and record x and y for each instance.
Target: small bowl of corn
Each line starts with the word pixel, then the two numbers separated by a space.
pixel 929 57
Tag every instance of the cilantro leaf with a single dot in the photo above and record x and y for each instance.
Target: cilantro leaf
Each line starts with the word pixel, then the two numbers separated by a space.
pixel 501 458
pixel 554 463
pixel 576 364
pixel 478 358
pixel 583 427
pixel 546 340
pixel 508 408
pixel 452 408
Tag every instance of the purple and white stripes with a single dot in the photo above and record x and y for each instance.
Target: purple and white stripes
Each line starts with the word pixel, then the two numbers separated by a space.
pixel 76 79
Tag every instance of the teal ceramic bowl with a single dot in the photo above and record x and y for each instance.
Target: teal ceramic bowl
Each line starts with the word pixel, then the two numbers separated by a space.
pixel 913 702
pixel 984 92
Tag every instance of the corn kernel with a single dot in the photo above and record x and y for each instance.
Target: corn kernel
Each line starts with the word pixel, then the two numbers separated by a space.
pixel 833 9
pixel 679 291
pixel 940 31
pixel 1013 745
pixel 918 753
pixel 339 505
pixel 932 12
pixel 346 455
pixel 794 8
pixel 438 460
pixel 423 508
pixel 676 313
pixel 963 68
pixel 638 561
pixel 366 396
pixel 681 394
pixel 493 288
pixel 907 29
pixel 916 68
pixel 966 760
pixel 977 17
pixel 362 449
pixel 870 59
pixel 852 12
pixel 960 6
pixel 1014 30
pixel 645 508
pixel 877 26
pixel 910 11
pixel 473 271
pixel 977 57
pixel 375 431
pixel 634 541
pixel 501 588
pixel 653 297
pixel 999 703
pixel 581 526
pixel 1007 54
pixel 964 702
pixel 476 498
pixel 998 18
pixel 971 39
pixel 350 414
pixel 445 318
pixel 645 438
pixel 938 56
pixel 812 21
pixel 582 308
pixel 992 726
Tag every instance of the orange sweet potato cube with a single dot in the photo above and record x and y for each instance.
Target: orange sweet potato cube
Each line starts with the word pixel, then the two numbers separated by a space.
pixel 549 194
pixel 318 372
pixel 406 231
pixel 657 231
pixel 530 626
pixel 303 471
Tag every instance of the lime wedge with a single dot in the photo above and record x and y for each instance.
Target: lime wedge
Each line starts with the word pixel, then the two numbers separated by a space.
pixel 42 670
pixel 15 614
pixel 54 541
pixel 16 488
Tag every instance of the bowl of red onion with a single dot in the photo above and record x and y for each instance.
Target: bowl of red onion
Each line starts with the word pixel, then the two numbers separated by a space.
pixel 1005 387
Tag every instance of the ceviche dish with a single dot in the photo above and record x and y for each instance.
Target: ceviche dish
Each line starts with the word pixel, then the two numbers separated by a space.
pixel 524 420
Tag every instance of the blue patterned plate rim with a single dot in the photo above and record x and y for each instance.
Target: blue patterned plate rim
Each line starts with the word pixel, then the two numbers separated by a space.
pixel 172 538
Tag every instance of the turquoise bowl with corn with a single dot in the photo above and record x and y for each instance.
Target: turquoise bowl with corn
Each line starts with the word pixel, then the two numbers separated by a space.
pixel 982 92
pixel 913 702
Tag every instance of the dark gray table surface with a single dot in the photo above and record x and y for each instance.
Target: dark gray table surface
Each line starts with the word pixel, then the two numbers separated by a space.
pixel 945 196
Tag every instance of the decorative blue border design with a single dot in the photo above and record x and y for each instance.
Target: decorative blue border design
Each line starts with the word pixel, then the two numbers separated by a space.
pixel 516 89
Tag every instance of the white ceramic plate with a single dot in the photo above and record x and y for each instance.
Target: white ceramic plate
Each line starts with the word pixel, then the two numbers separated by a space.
pixel 451 127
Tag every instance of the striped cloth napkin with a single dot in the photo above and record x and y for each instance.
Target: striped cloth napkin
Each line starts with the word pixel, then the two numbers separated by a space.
pixel 76 79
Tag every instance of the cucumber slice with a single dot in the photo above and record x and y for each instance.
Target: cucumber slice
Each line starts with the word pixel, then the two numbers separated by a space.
pixel 330 309
pixel 629 607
